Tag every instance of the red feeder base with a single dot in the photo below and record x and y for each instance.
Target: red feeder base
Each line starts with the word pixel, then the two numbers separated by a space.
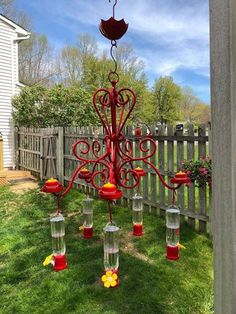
pixel 172 252
pixel 88 233
pixel 59 262
pixel 138 230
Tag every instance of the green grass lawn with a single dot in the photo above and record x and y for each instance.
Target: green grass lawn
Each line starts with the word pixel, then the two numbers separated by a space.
pixel 148 282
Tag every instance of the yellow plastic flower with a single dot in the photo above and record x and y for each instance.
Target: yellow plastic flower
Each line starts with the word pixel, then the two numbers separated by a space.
pixel 109 279
pixel 81 227
pixel 48 260
pixel 181 246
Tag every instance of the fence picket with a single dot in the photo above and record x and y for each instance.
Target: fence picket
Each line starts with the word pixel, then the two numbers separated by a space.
pixel 202 190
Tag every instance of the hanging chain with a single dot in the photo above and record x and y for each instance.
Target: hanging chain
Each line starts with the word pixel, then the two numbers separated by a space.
pixel 113 75
pixel 114 8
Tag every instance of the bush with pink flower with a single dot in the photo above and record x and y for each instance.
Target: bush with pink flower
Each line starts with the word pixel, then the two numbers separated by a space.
pixel 199 171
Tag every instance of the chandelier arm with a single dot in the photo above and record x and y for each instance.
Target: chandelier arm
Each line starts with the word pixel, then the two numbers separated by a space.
pixel 99 172
pixel 127 172
pixel 96 150
pixel 120 120
pixel 86 152
pixel 161 177
pixel 143 158
pixel 122 153
pixel 108 128
pixel 101 162
pixel 73 179
pixel 103 104
pixel 123 103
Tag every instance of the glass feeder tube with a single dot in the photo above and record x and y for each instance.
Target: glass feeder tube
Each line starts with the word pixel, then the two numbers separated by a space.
pixel 111 247
pixel 88 218
pixel 172 232
pixel 58 242
pixel 137 213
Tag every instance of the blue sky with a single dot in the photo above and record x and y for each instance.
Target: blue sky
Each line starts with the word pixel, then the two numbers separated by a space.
pixel 171 37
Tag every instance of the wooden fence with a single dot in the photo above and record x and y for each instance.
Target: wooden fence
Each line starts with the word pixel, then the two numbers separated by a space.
pixel 48 153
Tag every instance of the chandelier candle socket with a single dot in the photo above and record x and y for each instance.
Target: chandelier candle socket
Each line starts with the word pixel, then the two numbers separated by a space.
pixel 58 242
pixel 137 213
pixel 88 218
pixel 140 172
pixel 180 178
pixel 52 186
pixel 111 247
pixel 172 233
pixel 110 192
pixel 84 174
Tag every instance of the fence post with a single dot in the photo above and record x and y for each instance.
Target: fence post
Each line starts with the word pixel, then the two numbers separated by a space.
pixel 60 154
pixel 202 190
pixel 16 147
pixel 41 154
pixel 223 92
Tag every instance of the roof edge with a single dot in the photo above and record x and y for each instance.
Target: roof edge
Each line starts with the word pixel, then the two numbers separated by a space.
pixel 19 29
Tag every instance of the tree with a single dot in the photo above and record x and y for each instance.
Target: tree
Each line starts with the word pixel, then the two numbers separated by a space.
pixel 128 62
pixel 187 104
pixel 35 60
pixel 6 7
pixel 192 110
pixel 202 113
pixel 39 106
pixel 166 97
pixel 69 67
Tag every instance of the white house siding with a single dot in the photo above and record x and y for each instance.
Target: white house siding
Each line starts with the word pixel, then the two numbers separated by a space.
pixel 8 79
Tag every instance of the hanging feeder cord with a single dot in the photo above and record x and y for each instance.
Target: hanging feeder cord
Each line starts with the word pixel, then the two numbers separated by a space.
pixel 173 197
pixel 110 211
pixel 58 205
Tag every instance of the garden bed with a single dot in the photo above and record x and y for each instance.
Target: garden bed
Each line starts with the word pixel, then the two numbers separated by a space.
pixel 148 282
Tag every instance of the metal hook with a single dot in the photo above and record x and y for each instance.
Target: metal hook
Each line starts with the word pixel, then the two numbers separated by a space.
pixel 114 7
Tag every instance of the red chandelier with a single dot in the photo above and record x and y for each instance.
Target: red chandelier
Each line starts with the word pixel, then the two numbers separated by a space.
pixel 109 165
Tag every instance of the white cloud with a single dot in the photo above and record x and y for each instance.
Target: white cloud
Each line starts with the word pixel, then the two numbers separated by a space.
pixel 168 35
pixel 174 36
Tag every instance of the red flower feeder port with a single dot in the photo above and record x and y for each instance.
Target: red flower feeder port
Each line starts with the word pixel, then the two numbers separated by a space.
pixel 110 192
pixel 52 186
pixel 140 172
pixel 180 178
pixel 84 174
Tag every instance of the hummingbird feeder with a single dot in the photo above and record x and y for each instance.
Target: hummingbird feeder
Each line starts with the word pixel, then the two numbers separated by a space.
pixel 108 164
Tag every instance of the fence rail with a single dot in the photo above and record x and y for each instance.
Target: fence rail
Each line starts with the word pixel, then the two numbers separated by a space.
pixel 48 153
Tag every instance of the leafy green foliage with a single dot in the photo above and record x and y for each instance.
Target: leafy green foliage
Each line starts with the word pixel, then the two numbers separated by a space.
pixel 39 106
pixel 148 282
pixel 199 171
pixel 166 96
